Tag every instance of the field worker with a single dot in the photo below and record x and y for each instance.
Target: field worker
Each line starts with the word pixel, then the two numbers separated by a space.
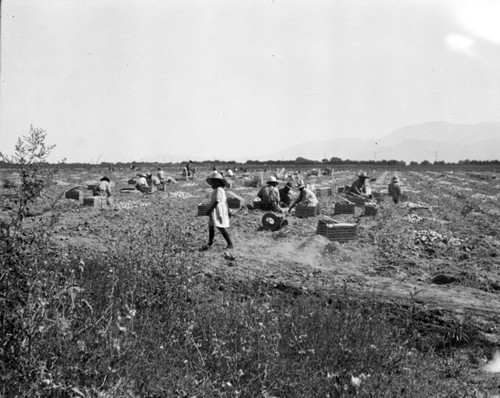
pixel 161 174
pixel 141 183
pixel 218 212
pixel 188 169
pixel 285 194
pixel 359 187
pixel 155 180
pixel 229 173
pixel 306 196
pixel 394 189
pixel 270 195
pixel 103 188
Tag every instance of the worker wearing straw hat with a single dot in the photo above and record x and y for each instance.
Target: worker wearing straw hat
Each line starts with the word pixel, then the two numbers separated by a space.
pixel 359 187
pixel 394 189
pixel 218 212
pixel 270 195
pixel 306 196
pixel 103 189
pixel 285 195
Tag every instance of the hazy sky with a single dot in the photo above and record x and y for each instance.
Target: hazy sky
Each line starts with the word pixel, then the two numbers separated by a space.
pixel 118 80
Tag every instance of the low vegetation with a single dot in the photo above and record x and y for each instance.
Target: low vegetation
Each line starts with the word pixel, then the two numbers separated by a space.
pixel 143 317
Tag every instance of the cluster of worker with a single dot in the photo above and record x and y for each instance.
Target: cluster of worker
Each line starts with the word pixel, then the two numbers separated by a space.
pixel 145 181
pixel 280 200
pixel 272 198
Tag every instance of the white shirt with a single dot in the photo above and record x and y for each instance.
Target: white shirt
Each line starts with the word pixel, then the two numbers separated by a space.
pixel 220 215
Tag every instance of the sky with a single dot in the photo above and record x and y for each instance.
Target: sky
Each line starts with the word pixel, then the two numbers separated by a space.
pixel 123 80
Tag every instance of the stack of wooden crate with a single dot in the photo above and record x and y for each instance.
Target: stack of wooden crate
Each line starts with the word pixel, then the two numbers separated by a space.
pixel 338 232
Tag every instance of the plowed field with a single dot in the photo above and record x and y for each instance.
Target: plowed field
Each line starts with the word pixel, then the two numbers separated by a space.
pixel 440 247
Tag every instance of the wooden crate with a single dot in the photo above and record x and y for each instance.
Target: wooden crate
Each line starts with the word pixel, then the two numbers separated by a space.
pixel 234 201
pixel 148 190
pixel 371 209
pixel 250 183
pixel 74 194
pixel 344 208
pixel 357 200
pixel 203 208
pixel 94 201
pixel 304 211
pixel 256 203
pixel 324 191
pixel 338 232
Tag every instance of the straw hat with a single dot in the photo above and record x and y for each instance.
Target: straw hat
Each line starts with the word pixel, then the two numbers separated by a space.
pixel 142 175
pixel 216 176
pixel 272 180
pixel 289 184
pixel 105 179
pixel 395 179
pixel 301 184
pixel 363 175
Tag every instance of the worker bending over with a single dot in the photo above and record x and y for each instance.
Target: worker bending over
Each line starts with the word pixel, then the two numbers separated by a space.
pixel 306 197
pixel 360 187
pixel 270 195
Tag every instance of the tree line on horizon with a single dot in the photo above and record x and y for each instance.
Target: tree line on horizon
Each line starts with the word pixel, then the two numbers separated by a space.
pixel 298 161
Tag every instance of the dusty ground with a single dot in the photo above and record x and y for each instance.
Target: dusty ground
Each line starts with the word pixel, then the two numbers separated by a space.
pixel 440 248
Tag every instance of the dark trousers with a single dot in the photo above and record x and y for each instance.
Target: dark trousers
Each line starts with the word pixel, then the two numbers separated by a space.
pixel 211 235
pixel 270 206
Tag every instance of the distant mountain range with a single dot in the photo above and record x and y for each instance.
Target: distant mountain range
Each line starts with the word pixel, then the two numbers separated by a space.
pixel 427 141
pixel 431 141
